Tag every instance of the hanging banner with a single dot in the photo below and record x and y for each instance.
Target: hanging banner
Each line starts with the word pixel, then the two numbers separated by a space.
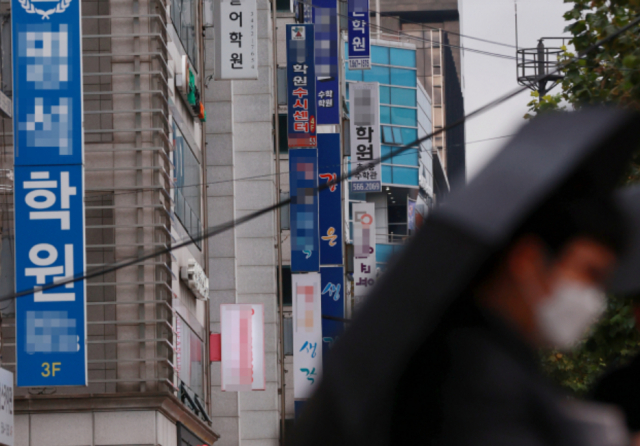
pixel 307 334
pixel 236 28
pixel 49 193
pixel 364 127
pixel 330 199
pixel 359 40
pixel 332 285
pixel 301 86
pixel 325 20
pixel 242 347
pixel 364 246
pixel 411 215
pixel 303 183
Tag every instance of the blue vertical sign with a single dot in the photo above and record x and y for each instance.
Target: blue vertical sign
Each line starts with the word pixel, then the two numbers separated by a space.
pixel 303 183
pixel 332 286
pixel 330 199
pixel 325 20
pixel 49 192
pixel 359 40
pixel 301 86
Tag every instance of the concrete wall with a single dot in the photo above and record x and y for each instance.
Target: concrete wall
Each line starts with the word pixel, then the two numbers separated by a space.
pixel 95 429
pixel 242 261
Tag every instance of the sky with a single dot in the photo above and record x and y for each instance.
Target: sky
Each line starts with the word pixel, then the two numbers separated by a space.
pixel 486 78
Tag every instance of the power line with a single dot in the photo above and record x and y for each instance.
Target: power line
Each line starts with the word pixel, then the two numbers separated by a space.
pixel 231 224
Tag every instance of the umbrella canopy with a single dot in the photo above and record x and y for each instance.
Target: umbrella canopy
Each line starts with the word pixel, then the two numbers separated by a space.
pixel 351 407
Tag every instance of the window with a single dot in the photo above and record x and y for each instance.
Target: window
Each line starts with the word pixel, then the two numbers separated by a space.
pixel 188 178
pixel 403 96
pixel 283 134
pixel 282 86
pixel 286 284
pixel 184 14
pixel 285 222
pixel 288 336
pixel 402 77
pixel 403 58
pixel 189 354
pixel 283 5
pixel 404 116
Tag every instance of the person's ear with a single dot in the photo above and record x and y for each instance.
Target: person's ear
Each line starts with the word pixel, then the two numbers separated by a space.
pixel 527 262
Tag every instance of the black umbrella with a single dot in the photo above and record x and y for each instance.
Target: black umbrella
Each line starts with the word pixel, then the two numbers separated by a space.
pixel 351 407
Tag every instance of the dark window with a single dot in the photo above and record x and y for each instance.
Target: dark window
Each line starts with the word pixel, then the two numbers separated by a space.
pixel 286 284
pixel 285 222
pixel 283 136
pixel 282 86
pixel 283 5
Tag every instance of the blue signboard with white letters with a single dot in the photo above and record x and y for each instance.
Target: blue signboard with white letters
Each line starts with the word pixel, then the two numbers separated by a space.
pixel 330 199
pixel 325 20
pixel 301 86
pixel 359 40
pixel 332 286
pixel 49 192
pixel 303 183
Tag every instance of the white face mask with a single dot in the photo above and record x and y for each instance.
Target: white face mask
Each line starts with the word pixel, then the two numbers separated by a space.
pixel 566 315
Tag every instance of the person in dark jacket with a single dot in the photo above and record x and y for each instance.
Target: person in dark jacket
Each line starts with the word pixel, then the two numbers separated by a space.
pixel 443 352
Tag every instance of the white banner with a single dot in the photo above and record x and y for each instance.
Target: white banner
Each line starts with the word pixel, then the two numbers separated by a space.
pixel 364 248
pixel 364 126
pixel 242 347
pixel 236 28
pixel 307 334
pixel 6 408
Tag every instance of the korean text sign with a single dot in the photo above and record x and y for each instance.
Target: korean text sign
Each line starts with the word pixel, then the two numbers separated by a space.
pixel 301 86
pixel 364 126
pixel 307 334
pixel 330 199
pixel 242 347
pixel 364 249
pixel 325 21
pixel 332 296
pixel 303 183
pixel 48 193
pixel 359 40
pixel 236 27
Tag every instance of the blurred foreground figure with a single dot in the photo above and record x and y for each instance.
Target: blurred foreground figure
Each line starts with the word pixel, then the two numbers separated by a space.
pixel 444 350
pixel 622 386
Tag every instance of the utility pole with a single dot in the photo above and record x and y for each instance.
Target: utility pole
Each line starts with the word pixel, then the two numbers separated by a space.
pixel 536 67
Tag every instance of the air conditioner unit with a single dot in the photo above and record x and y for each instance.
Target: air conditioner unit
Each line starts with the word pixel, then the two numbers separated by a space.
pixel 196 279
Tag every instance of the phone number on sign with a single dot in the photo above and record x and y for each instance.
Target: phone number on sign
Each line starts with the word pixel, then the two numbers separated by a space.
pixel 366 186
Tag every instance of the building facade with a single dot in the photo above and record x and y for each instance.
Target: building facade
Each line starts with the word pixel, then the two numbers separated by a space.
pixel 145 174
pixel 171 153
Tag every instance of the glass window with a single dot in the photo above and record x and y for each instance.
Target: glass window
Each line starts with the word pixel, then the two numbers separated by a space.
pixel 283 135
pixel 282 86
pixel 386 174
pixel 378 74
pixel 286 284
pixel 385 96
pixel 409 135
pixel 403 96
pixel 185 20
pixel 285 212
pixel 283 5
pixel 380 54
pixel 403 116
pixel 288 336
pixel 383 252
pixel 189 354
pixel 409 157
pixel 188 177
pixel 353 75
pixel 397 135
pixel 402 77
pixel 387 134
pixel 385 115
pixel 405 175
pixel 403 58
pixel 384 152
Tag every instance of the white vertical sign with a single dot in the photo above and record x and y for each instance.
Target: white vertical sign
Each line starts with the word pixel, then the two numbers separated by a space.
pixel 6 408
pixel 364 126
pixel 307 334
pixel 364 247
pixel 236 27
pixel 242 347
